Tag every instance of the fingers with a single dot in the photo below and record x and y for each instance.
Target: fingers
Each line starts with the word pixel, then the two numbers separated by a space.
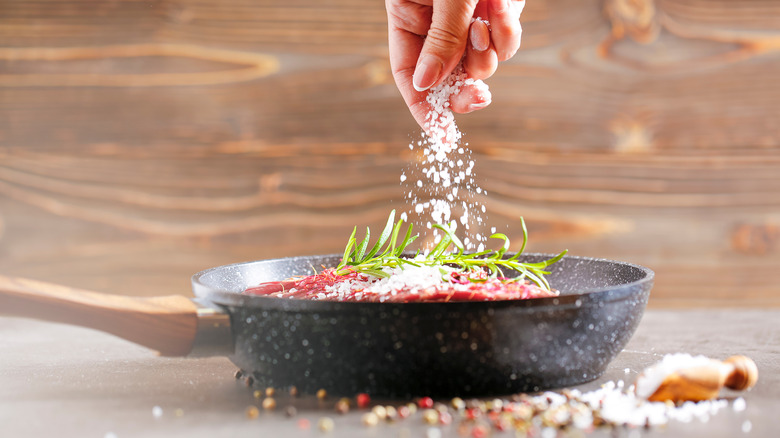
pixel 504 17
pixel 470 98
pixel 404 47
pixel 481 60
pixel 410 16
pixel 445 43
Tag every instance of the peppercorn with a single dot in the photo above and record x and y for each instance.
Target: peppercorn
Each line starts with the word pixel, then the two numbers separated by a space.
pixel 269 404
pixel 458 403
pixel 425 402
pixel 380 411
pixel 369 419
pixel 430 416
pixel 321 394
pixel 325 424
pixel 252 412
pixel 363 400
pixel 391 413
pixel 342 406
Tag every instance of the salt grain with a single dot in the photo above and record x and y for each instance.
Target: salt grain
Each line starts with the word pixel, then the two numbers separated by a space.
pixel 739 405
pixel 157 412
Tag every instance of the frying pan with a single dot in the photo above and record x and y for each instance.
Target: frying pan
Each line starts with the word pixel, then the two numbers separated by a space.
pixel 384 349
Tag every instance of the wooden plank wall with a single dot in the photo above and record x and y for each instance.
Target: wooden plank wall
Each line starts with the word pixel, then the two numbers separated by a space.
pixel 141 141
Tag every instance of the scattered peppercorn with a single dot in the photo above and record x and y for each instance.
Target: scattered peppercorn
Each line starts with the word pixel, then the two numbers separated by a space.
pixel 322 394
pixel 269 404
pixel 363 400
pixel 238 374
pixel 479 431
pixel 252 412
pixel 391 413
pixel 425 403
pixel 258 394
pixel 293 391
pixel 342 406
pixel 325 424
pixel 304 424
pixel 380 411
pixel 369 419
pixel 290 411
pixel 458 403
pixel 430 416
pixel 269 392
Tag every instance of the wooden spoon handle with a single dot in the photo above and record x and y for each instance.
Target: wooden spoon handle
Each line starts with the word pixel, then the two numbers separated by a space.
pixel 166 324
pixel 743 374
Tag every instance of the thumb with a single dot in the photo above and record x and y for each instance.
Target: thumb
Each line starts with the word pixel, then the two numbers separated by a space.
pixel 445 42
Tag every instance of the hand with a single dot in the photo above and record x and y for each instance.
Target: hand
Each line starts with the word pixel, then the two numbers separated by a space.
pixel 429 37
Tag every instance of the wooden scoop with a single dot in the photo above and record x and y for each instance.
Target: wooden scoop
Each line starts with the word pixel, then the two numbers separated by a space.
pixel 705 382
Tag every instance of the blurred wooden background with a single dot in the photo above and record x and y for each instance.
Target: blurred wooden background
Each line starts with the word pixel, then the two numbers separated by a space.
pixel 142 141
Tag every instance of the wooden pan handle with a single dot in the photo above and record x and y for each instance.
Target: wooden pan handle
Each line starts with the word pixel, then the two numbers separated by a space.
pixel 165 324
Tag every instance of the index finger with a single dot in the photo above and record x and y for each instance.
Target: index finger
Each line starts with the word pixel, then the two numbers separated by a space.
pixel 405 48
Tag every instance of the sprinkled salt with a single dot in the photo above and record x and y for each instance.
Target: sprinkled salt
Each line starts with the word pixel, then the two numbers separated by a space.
pixel 157 412
pixel 739 404
pixel 747 426
pixel 444 171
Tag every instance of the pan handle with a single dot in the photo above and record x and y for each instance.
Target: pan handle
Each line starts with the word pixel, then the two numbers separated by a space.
pixel 166 324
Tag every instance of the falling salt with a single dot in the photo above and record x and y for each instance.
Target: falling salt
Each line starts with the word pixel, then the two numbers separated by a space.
pixel 739 405
pixel 157 412
pixel 448 166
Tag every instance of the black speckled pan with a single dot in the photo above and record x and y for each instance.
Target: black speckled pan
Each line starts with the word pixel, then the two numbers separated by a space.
pixel 433 349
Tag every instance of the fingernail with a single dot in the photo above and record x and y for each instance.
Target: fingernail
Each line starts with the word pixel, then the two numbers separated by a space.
pixel 427 73
pixel 479 36
pixel 481 100
pixel 477 106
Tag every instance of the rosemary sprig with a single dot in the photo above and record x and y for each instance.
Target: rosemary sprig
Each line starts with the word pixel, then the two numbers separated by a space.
pixel 356 259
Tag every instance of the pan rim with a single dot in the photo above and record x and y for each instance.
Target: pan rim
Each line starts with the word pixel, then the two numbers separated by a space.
pixel 207 294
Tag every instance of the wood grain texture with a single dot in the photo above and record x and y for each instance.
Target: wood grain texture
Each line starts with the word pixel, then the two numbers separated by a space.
pixel 141 141
pixel 165 324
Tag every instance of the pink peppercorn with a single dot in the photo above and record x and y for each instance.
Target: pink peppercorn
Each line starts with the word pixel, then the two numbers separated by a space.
pixel 479 431
pixel 363 400
pixel 425 403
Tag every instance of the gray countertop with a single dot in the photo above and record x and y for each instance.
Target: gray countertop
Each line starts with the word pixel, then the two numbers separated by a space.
pixel 67 381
